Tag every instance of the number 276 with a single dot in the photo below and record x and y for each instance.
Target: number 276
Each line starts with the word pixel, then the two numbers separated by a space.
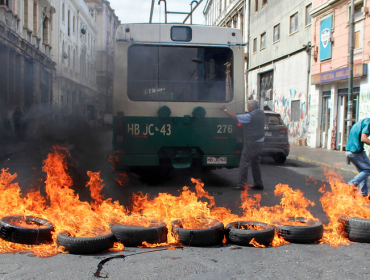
pixel 222 128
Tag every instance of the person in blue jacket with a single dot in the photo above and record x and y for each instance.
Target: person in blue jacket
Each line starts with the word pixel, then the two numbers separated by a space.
pixel 355 153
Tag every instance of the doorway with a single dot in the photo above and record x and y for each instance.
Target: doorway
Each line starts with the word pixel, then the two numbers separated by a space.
pixel 325 119
pixel 342 116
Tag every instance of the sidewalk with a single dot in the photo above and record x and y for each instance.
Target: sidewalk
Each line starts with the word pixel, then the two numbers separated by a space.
pixel 330 158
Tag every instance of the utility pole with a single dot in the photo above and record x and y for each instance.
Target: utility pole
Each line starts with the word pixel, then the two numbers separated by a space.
pixel 350 72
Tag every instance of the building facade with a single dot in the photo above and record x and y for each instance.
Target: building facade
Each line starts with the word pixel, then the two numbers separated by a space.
pixel 26 72
pixel 279 60
pixel 74 51
pixel 330 70
pixel 233 14
pixel 277 54
pixel 107 23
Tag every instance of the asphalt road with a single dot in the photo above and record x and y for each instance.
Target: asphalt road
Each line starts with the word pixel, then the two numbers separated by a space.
pixel 293 261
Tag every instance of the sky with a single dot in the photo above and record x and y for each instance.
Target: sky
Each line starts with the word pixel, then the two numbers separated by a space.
pixel 138 11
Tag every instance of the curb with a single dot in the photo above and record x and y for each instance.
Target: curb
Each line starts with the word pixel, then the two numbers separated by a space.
pixel 320 163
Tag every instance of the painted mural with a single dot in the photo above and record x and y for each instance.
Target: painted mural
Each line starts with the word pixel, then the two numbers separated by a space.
pixel 364 109
pixel 282 105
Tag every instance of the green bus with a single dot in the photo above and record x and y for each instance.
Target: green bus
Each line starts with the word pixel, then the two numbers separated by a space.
pixel 170 81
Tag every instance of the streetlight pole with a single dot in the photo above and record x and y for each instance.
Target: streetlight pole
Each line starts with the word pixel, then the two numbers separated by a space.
pixel 350 72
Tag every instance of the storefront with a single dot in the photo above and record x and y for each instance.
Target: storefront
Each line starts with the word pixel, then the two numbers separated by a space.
pixel 329 97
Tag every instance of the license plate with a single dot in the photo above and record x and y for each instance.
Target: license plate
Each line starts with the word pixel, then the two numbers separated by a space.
pixel 268 133
pixel 216 160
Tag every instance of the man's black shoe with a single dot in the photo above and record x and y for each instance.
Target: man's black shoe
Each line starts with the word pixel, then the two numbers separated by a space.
pixel 256 187
pixel 238 187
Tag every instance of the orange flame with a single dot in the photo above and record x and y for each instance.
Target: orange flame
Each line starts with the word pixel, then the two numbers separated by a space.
pixel 341 199
pixel 256 244
pixel 82 219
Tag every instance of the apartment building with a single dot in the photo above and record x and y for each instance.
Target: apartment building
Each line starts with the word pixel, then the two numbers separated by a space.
pixel 330 70
pixel 277 35
pixel 74 51
pixel 279 60
pixel 106 22
pixel 26 72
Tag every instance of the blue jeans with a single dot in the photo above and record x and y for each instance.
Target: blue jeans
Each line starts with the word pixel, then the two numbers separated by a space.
pixel 362 164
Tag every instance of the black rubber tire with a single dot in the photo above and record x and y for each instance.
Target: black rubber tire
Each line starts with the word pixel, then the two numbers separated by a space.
pixel 22 235
pixel 343 226
pixel 132 236
pixel 279 158
pixel 198 237
pixel 355 229
pixel 301 234
pixel 243 237
pixel 86 245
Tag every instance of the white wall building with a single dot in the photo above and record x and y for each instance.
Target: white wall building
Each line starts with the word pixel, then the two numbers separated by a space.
pixel 74 51
pixel 229 13
pixel 107 23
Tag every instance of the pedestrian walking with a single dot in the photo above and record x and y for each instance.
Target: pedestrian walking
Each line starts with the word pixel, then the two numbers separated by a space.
pixel 254 136
pixel 17 123
pixel 355 153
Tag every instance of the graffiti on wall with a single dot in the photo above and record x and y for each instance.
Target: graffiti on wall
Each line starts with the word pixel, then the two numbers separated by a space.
pixel 364 109
pixel 334 135
pixel 282 105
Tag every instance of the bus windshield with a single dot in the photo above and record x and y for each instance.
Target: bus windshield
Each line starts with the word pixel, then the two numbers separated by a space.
pixel 180 74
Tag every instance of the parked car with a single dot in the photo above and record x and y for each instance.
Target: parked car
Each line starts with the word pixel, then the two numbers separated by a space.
pixel 276 138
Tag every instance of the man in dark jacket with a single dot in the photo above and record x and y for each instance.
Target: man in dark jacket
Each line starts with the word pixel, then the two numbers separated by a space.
pixel 254 136
pixel 358 136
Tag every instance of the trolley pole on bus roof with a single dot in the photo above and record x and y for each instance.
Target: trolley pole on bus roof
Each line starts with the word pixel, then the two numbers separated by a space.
pixel 350 72
pixel 197 3
pixel 151 12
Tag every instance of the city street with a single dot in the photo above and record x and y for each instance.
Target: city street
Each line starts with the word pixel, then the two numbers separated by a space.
pixel 113 113
pixel 216 262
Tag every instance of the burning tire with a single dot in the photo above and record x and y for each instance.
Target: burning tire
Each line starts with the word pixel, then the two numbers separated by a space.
pixel 311 232
pixel 243 232
pixel 355 229
pixel 86 245
pixel 199 237
pixel 12 229
pixel 133 236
